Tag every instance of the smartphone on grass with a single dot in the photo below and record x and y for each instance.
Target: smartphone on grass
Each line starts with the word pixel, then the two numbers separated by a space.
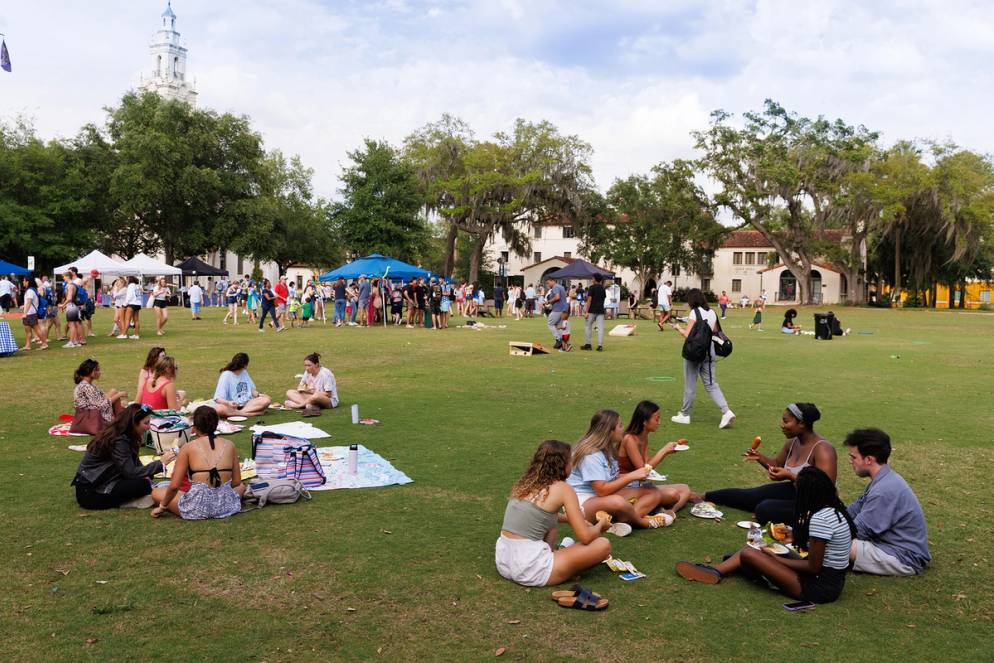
pixel 800 605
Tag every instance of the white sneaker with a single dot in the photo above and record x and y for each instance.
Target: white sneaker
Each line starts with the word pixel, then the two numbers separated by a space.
pixel 680 418
pixel 123 336
pixel 619 529
pixel 70 344
pixel 134 338
pixel 727 419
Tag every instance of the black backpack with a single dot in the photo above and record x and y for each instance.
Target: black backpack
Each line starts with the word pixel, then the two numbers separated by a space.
pixel 697 345
pixel 722 344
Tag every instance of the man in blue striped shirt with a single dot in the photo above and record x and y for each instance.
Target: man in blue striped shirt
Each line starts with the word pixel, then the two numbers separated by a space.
pixel 891 535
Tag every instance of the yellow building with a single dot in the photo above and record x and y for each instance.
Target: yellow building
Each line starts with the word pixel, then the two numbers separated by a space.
pixel 978 293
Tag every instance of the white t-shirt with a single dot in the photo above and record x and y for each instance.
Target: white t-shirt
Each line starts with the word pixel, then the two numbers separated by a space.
pixel 708 315
pixel 323 381
pixel 613 295
pixel 665 294
pixel 119 296
pixel 30 302
pixel 134 295
pixel 196 294
pixel 6 287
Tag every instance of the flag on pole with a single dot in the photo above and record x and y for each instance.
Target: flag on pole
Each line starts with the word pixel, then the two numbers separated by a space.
pixel 4 56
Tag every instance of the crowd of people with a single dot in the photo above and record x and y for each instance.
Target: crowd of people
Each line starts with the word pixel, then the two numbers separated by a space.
pixel 205 480
pixel 599 485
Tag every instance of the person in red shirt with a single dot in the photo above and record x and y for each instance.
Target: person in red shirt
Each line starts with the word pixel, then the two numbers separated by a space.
pixel 281 292
pixel 723 303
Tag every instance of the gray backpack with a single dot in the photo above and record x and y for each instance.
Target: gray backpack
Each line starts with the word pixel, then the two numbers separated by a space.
pixel 274 491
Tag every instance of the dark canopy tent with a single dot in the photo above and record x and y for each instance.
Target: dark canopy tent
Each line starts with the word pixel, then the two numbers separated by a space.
pixel 197 267
pixel 10 268
pixel 580 269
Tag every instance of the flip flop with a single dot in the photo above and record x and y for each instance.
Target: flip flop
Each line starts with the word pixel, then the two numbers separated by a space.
pixel 698 573
pixel 573 591
pixel 585 600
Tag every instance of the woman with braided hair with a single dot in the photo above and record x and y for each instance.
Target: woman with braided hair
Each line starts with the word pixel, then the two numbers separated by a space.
pixel 525 546
pixel 206 479
pixel 824 529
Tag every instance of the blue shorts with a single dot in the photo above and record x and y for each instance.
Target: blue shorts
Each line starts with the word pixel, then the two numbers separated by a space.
pixel 195 307
pixel 664 308
pixel 446 305
pixel 786 330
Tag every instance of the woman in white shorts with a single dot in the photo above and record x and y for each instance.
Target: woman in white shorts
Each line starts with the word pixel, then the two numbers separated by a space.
pixel 524 551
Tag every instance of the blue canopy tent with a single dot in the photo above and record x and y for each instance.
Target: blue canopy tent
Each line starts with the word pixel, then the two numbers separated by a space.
pixel 11 268
pixel 376 265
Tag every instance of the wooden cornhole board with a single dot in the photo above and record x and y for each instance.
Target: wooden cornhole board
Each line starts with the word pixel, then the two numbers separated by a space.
pixel 622 330
pixel 522 349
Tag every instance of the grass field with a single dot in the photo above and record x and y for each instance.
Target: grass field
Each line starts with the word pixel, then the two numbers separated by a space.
pixel 407 573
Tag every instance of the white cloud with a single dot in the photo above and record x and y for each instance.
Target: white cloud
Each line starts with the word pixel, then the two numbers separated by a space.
pixel 632 78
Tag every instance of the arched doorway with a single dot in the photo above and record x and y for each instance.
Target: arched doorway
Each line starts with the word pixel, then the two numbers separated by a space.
pixel 787 292
pixel 843 288
pixel 545 274
pixel 815 286
pixel 650 285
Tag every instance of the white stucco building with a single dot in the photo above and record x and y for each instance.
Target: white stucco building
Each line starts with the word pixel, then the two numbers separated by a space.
pixel 167 71
pixel 745 264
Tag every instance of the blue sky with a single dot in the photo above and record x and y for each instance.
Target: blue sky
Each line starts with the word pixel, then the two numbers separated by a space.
pixel 632 78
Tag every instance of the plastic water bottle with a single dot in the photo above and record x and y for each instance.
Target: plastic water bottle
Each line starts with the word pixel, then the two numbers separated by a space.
pixel 355 413
pixel 353 458
pixel 755 537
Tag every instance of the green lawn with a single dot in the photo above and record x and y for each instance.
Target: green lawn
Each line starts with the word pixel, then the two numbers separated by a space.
pixel 407 573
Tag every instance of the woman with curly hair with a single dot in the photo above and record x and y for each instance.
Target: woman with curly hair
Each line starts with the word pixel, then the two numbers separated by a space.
pixel 525 547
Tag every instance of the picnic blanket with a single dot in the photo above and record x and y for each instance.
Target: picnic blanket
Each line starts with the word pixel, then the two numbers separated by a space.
pixel 62 430
pixel 295 428
pixel 373 470
pixel 8 346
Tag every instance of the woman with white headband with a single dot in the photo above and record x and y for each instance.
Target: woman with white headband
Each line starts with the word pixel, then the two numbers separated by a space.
pixel 774 502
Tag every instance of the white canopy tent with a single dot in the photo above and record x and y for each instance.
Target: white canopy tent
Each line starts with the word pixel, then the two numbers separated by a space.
pixel 105 266
pixel 150 267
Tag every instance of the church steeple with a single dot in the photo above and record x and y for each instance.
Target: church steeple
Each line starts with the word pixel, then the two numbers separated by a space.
pixel 168 70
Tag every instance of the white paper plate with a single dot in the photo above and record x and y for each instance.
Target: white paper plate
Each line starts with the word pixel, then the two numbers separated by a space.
pixel 746 524
pixel 701 511
pixel 238 418
pixel 778 548
pixel 681 447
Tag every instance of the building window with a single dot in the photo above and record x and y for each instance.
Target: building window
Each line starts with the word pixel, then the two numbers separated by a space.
pixel 175 67
pixel 737 258
pixel 222 259
pixel 705 284
pixel 736 285
pixel 675 271
pixel 241 266
pixel 567 254
pixel 761 258
pixel 504 257
pixel 567 232
pixel 300 282
pixel 985 296
pixel 537 256
pixel 538 232
pixel 750 258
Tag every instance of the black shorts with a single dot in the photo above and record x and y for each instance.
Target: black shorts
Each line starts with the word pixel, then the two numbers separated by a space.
pixel 396 309
pixel 72 313
pixel 161 303
pixel 136 308
pixel 824 587
pixel 5 302
pixel 30 320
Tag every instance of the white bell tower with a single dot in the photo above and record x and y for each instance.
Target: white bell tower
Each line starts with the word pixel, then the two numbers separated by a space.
pixel 168 67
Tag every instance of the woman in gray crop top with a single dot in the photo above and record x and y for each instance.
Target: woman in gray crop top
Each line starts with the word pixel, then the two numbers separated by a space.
pixel 524 551
pixel 774 501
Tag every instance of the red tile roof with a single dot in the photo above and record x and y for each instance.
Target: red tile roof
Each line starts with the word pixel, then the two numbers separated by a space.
pixel 753 239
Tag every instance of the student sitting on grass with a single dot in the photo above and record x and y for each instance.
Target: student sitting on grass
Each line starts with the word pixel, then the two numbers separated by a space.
pixel 236 393
pixel 95 410
pixel 598 484
pixel 159 392
pixel 110 473
pixel 789 326
pixel 206 480
pixel 891 535
pixel 634 452
pixel 774 502
pixel 524 550
pixel 823 528
pixel 316 391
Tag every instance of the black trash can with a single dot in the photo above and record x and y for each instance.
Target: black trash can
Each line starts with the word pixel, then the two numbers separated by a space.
pixel 823 326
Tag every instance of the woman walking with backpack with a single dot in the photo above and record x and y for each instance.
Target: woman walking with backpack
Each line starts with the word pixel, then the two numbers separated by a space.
pixel 698 340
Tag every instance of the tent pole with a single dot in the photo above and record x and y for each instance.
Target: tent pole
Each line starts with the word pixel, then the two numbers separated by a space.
pixel 383 298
